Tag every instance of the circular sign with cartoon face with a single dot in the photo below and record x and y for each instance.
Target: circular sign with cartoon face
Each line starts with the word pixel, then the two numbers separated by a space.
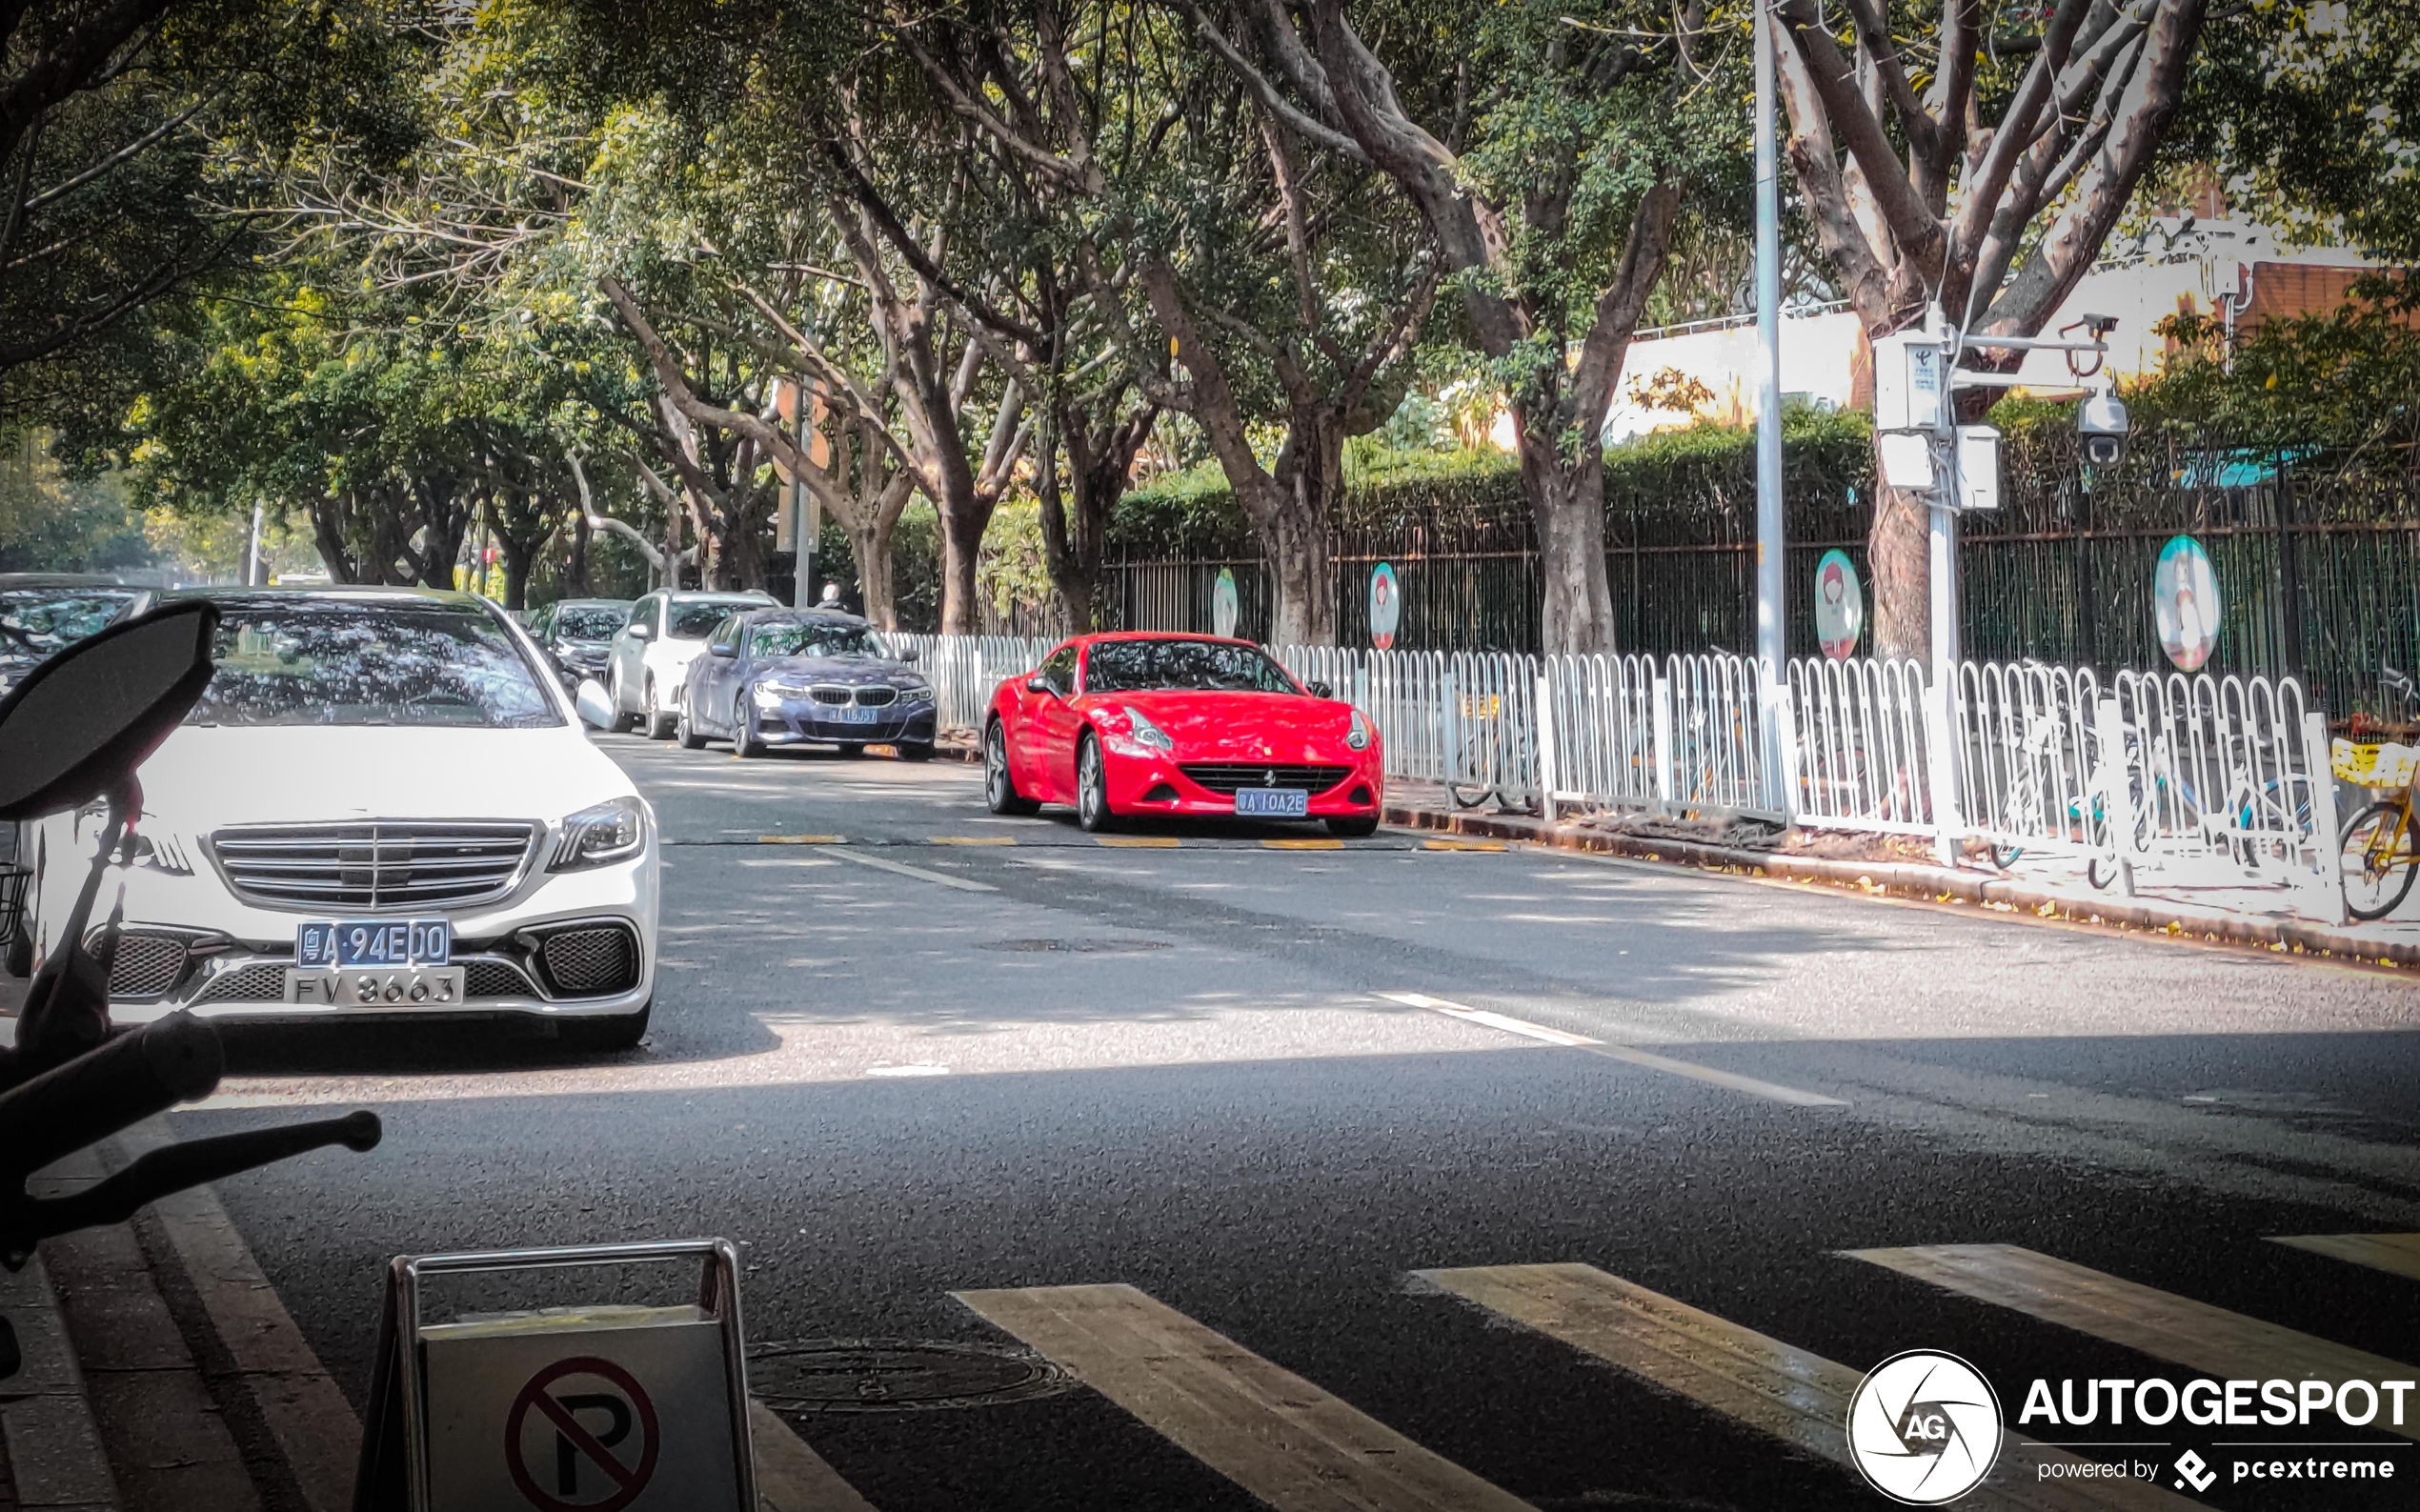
pixel 2184 594
pixel 1840 605
pixel 1386 606
pixel 1223 606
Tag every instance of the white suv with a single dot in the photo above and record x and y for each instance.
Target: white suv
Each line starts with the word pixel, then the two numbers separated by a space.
pixel 382 806
pixel 650 657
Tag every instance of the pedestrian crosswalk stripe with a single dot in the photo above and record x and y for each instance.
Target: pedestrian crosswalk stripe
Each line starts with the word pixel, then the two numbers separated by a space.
pixel 2399 1253
pixel 789 1476
pixel 1271 1432
pixel 2154 1322
pixel 1793 1394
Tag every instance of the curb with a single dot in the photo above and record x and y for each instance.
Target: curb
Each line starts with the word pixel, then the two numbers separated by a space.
pixel 1901 879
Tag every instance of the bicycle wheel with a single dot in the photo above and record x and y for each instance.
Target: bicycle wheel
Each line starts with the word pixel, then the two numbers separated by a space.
pixel 2375 857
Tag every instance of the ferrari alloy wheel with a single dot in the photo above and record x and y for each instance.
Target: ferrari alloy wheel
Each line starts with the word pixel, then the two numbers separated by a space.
pixel 743 733
pixel 685 730
pixel 1000 788
pixel 1092 789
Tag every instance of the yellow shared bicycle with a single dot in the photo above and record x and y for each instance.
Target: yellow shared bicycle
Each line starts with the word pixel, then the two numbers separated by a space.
pixel 2380 844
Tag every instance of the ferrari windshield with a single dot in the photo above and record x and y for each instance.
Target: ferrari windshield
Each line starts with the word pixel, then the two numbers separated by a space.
pixel 334 662
pixel 1136 666
pixel 812 638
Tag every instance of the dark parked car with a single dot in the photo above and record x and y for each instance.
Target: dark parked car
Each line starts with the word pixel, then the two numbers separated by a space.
pixel 579 634
pixel 44 613
pixel 793 677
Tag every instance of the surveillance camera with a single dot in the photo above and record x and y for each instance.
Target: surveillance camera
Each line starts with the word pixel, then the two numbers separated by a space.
pixel 2103 427
pixel 2099 325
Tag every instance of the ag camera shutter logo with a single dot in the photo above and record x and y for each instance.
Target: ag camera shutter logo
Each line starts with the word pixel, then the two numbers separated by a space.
pixel 1923 1427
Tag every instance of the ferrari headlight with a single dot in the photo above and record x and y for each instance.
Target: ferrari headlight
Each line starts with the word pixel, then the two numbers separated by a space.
pixel 613 831
pixel 1358 737
pixel 1140 734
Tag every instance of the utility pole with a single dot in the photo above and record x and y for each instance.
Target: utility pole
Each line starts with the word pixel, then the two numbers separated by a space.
pixel 254 576
pixel 1770 547
pixel 1771 554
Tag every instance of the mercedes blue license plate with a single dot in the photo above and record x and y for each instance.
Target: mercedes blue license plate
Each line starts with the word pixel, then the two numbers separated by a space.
pixel 1273 803
pixel 374 942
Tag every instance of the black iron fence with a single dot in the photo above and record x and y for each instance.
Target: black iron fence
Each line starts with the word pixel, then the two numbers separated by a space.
pixel 2317 556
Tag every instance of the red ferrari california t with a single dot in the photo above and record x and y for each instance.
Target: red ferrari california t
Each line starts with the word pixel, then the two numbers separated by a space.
pixel 1139 723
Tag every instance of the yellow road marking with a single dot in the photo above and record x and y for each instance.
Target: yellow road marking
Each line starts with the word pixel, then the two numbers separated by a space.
pixel 970 839
pixel 2397 1253
pixel 2158 1324
pixel 1271 1432
pixel 1138 842
pixel 1302 845
pixel 1461 845
pixel 1793 1394
pixel 797 839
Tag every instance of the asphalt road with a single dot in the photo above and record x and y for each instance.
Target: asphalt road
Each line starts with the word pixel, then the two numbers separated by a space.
pixel 904 1050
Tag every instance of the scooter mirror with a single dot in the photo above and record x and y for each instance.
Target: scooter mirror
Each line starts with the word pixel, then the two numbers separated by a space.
pixel 81 722
pixel 594 704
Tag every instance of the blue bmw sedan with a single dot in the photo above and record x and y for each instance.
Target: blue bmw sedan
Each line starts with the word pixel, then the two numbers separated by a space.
pixel 792 676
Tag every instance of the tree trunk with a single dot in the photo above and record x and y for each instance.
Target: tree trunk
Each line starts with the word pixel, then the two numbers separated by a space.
pixel 1898 563
pixel 870 546
pixel 575 573
pixel 1568 501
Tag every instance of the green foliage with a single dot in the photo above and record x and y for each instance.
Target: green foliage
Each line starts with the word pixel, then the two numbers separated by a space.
pixel 2309 110
pixel 51 522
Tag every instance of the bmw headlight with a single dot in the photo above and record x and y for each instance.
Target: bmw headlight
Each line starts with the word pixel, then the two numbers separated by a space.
pixel 1358 737
pixel 770 694
pixel 613 831
pixel 916 693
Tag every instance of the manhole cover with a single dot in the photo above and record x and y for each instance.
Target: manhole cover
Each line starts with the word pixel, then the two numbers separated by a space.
pixel 1081 947
pixel 897 1374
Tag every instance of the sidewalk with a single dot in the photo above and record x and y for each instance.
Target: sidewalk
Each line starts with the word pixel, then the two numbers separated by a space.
pixel 2048 888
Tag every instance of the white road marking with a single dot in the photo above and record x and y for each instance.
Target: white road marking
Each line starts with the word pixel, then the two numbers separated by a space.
pixel 2158 1324
pixel 1493 1020
pixel 908 1071
pixel 789 1476
pixel 885 864
pixel 2398 1254
pixel 1793 1394
pixel 1271 1432
pixel 1755 1087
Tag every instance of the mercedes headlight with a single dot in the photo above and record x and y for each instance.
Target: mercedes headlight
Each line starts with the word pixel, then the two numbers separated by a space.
pixel 1358 737
pixel 613 831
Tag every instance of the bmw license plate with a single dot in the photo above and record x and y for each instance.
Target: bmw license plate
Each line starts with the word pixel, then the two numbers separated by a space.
pixel 1273 803
pixel 374 942
pixel 853 713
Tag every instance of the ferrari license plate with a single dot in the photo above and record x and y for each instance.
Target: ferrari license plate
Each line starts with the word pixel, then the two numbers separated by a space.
pixel 407 987
pixel 377 942
pixel 1272 804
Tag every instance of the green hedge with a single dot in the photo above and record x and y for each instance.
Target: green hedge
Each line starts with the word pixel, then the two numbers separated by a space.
pixel 1673 475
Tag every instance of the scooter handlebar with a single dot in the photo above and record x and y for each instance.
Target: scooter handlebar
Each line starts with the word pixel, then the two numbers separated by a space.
pixel 171 1061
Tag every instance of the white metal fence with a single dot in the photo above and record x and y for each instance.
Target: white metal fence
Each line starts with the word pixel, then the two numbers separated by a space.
pixel 2210 778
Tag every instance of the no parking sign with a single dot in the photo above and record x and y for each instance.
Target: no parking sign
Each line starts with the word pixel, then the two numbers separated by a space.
pixel 613 1408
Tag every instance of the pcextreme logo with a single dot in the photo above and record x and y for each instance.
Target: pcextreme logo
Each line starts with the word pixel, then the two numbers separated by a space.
pixel 1923 1427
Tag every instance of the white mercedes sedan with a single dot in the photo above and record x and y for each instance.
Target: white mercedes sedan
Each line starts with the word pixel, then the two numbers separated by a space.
pixel 382 806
